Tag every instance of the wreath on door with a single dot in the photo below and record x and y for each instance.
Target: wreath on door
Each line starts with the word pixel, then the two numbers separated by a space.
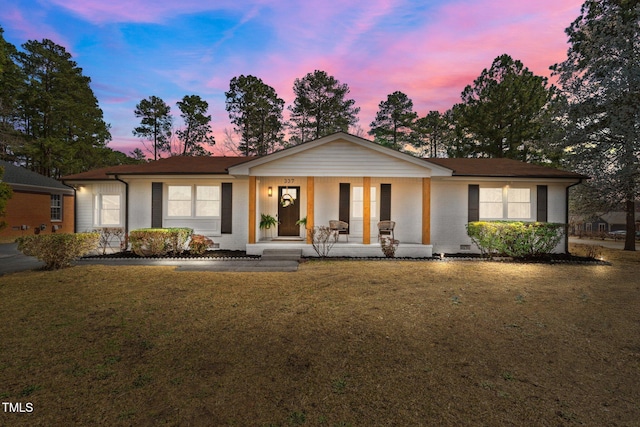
pixel 287 200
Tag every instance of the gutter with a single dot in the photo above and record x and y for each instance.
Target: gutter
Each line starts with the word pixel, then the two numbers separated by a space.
pixel 126 210
pixel 566 221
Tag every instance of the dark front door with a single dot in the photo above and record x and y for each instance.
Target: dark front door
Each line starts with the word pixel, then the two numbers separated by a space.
pixel 288 211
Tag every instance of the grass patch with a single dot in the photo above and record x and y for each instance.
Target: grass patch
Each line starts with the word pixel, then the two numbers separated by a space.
pixel 337 343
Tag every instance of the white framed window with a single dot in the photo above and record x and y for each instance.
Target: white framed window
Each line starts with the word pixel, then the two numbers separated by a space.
pixel 56 207
pixel 179 200
pixel 518 203
pixel 107 209
pixel 193 201
pixel 357 202
pixel 374 203
pixel 505 203
pixel 207 200
pixel 491 205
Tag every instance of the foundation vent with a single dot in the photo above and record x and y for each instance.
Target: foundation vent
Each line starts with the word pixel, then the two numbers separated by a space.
pixel 465 247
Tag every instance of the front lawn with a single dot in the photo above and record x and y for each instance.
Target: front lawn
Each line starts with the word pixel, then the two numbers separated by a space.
pixel 339 343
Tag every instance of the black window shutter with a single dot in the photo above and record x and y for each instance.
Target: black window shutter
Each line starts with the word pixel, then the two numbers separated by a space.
pixel 385 202
pixel 474 203
pixel 156 205
pixel 344 212
pixel 226 210
pixel 543 198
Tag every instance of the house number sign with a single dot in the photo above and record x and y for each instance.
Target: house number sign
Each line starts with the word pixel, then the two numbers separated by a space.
pixel 289 180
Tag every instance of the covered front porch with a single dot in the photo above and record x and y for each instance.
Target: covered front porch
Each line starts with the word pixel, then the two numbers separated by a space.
pixel 300 203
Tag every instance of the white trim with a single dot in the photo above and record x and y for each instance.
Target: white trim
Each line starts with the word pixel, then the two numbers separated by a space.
pixel 245 168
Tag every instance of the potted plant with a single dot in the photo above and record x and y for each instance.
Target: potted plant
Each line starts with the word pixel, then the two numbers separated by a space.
pixel 267 221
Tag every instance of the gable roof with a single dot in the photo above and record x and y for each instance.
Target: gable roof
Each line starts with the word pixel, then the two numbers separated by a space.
pixel 507 168
pixel 368 151
pixel 177 165
pixel 23 179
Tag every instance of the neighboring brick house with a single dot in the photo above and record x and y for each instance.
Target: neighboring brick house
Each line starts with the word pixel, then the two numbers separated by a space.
pixel 39 204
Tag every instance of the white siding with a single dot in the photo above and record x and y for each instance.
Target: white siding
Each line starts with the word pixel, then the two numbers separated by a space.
pixel 85 197
pixel 449 210
pixel 340 158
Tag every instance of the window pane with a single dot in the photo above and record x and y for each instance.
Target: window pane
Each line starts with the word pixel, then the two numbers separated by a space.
pixel 519 200
pixel 492 195
pixel 207 208
pixel 179 208
pixel 520 195
pixel 358 202
pixel 179 192
pixel 374 204
pixel 110 201
pixel 491 210
pixel 207 193
pixel 491 205
pixel 56 207
pixel 110 217
pixel 110 209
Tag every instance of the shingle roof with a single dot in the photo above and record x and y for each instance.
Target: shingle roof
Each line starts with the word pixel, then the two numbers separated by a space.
pixel 177 165
pixel 25 179
pixel 507 168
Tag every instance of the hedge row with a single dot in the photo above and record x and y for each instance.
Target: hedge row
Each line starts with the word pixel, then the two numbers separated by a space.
pixel 159 241
pixel 58 250
pixel 515 238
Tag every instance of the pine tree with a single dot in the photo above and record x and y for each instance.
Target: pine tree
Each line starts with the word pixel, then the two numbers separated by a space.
pixel 155 125
pixel 256 111
pixel 502 112
pixel 601 78
pixel 320 107
pixel 197 126
pixel 60 117
pixel 394 121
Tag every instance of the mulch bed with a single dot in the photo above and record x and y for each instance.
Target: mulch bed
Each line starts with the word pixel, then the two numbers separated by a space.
pixel 237 254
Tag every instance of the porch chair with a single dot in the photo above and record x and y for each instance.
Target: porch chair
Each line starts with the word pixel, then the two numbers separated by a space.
pixel 385 228
pixel 340 227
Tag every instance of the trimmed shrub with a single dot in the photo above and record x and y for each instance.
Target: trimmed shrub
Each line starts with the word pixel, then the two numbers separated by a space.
pixel 515 238
pixel 389 246
pixel 199 244
pixel 58 250
pixel 158 241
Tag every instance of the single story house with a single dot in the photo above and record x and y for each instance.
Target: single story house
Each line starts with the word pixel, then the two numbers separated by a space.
pixel 602 223
pixel 337 177
pixel 39 204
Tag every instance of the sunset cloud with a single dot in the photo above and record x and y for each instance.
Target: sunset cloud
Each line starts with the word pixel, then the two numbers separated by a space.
pixel 429 50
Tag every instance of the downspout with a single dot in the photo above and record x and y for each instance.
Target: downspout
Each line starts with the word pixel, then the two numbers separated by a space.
pixel 566 221
pixel 126 211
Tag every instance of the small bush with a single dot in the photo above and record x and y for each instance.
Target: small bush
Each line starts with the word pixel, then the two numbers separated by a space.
pixel 199 244
pixel 323 239
pixel 389 246
pixel 108 234
pixel 158 241
pixel 58 250
pixel 515 238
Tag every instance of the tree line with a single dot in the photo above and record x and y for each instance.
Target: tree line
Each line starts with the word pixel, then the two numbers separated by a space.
pixel 505 113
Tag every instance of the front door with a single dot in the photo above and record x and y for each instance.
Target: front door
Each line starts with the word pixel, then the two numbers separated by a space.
pixel 288 211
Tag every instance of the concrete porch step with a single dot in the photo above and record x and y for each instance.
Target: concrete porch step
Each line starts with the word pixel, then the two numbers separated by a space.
pixel 281 254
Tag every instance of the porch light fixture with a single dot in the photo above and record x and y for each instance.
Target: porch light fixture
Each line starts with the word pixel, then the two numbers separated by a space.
pixel 270 191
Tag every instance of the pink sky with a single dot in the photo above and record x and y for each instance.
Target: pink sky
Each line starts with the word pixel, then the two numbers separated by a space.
pixel 429 50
